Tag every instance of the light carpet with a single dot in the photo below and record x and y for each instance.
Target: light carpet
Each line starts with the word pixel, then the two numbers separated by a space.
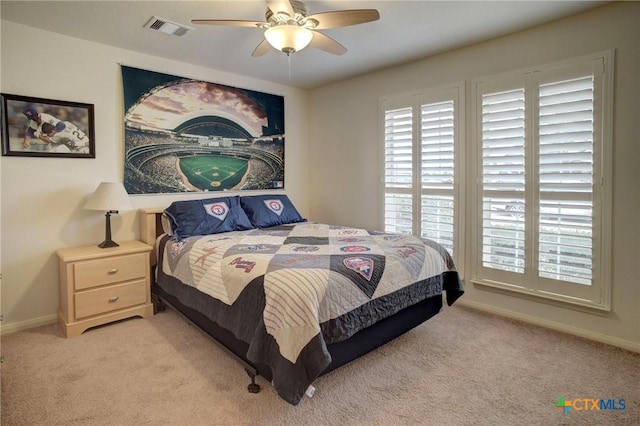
pixel 462 367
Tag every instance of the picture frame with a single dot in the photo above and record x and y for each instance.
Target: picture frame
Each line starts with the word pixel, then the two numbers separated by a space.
pixel 38 127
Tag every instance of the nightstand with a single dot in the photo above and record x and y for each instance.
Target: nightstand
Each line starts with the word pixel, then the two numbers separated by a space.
pixel 98 286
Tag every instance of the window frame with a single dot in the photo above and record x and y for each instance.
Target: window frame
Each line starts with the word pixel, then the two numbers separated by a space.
pixel 598 294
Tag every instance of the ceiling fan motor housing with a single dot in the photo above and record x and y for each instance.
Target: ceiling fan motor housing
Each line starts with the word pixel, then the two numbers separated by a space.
pixel 282 18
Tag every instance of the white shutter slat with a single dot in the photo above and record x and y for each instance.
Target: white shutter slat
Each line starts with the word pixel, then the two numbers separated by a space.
pixel 554 157
pixel 398 161
pixel 567 107
pixel 565 94
pixel 556 115
pixel 443 162
pixel 438 140
pixel 561 138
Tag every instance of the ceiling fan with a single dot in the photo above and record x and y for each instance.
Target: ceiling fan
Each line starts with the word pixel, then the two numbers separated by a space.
pixel 289 28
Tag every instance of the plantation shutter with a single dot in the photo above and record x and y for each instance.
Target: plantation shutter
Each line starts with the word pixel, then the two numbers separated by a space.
pixel 503 180
pixel 398 170
pixel 544 168
pixel 566 169
pixel 437 172
pixel 422 194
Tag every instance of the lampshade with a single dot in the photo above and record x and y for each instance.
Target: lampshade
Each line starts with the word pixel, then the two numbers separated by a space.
pixel 109 196
pixel 288 38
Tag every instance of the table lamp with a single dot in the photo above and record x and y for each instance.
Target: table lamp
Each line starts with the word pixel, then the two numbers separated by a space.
pixel 110 197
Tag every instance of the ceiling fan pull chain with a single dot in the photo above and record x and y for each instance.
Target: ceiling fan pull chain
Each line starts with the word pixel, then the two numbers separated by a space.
pixel 289 61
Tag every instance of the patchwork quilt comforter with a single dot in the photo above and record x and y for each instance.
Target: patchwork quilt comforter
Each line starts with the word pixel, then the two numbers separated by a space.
pixel 290 290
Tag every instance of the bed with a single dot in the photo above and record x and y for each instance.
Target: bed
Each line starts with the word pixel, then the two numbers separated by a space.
pixel 291 299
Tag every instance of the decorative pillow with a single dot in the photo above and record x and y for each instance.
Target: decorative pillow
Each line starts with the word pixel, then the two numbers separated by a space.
pixel 209 216
pixel 270 210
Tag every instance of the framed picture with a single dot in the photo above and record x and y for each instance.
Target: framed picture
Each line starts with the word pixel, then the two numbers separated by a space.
pixel 35 127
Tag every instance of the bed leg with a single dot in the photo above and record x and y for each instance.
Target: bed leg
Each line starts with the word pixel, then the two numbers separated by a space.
pixel 253 386
pixel 158 304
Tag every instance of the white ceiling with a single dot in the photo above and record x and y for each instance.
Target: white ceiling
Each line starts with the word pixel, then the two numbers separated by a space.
pixel 407 30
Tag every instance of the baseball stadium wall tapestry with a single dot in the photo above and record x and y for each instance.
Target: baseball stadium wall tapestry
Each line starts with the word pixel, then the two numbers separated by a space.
pixel 185 135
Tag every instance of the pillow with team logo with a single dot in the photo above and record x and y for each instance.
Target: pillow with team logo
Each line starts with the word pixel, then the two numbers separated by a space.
pixel 204 217
pixel 265 211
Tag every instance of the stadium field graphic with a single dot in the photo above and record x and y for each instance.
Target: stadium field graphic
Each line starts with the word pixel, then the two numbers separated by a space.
pixel 207 172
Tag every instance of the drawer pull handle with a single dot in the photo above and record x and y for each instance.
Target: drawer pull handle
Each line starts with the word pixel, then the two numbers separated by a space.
pixel 113 299
pixel 112 271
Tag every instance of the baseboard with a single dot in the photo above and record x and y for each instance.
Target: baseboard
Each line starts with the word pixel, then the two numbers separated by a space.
pixel 598 337
pixel 25 325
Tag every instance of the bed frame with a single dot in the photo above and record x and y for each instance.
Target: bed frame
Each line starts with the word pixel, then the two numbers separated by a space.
pixel 341 353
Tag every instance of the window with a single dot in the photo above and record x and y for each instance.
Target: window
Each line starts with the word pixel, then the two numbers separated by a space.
pixel 543 169
pixel 422 134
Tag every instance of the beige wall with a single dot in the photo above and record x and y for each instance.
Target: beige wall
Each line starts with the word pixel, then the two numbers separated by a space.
pixel 345 175
pixel 42 198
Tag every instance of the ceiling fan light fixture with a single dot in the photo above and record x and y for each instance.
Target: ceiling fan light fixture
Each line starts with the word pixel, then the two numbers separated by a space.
pixel 288 38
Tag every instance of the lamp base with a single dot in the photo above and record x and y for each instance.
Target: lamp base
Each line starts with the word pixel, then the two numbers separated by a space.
pixel 108 243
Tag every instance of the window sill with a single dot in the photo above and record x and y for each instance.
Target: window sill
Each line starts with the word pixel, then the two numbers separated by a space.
pixel 546 297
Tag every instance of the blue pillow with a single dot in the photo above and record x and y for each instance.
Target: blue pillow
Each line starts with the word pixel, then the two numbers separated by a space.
pixel 204 217
pixel 270 210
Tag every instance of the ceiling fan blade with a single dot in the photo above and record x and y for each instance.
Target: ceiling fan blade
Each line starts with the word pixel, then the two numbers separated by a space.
pixel 262 48
pixel 228 22
pixel 326 43
pixel 344 18
pixel 281 6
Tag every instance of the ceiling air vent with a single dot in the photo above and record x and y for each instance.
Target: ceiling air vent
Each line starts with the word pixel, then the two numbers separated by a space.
pixel 167 27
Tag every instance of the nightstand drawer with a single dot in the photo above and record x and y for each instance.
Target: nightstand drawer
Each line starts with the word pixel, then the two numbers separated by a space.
pixel 94 273
pixel 119 296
